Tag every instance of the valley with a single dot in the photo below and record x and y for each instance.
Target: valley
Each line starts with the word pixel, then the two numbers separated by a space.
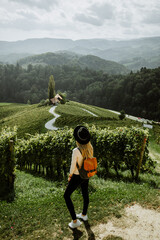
pixel 133 54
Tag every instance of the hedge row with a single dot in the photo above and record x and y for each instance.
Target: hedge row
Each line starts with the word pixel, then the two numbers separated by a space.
pixel 7 163
pixel 50 153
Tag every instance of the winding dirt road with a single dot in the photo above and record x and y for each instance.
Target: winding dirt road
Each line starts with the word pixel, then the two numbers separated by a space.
pixel 49 124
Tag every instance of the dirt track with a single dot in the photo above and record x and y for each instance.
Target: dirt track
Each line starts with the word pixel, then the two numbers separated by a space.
pixel 137 223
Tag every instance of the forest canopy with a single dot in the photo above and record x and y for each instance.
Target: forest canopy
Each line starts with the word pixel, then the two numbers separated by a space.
pixel 136 93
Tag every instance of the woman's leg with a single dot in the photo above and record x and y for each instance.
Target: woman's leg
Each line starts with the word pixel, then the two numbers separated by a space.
pixel 72 185
pixel 84 187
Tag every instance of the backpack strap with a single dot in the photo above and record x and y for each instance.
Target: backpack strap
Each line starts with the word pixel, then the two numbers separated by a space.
pixel 79 150
pixel 77 162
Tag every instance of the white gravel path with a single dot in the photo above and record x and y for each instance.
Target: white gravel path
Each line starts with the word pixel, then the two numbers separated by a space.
pixel 142 120
pixel 49 124
pixel 89 112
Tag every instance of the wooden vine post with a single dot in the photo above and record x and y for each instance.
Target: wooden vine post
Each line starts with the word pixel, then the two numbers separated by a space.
pixel 141 157
pixel 11 176
pixel 11 148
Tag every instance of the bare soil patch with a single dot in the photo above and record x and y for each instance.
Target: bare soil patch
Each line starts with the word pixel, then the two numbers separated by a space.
pixel 137 223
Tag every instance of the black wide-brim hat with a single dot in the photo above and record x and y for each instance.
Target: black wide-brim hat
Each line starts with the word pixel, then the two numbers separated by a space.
pixel 81 135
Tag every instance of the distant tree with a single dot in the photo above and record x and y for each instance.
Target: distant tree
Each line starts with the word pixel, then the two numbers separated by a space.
pixel 122 115
pixel 51 87
pixel 29 68
pixel 137 93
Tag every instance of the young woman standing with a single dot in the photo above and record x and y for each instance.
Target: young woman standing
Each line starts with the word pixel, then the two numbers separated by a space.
pixel 83 150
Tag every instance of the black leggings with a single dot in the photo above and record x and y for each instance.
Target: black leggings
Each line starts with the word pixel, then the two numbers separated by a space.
pixel 75 181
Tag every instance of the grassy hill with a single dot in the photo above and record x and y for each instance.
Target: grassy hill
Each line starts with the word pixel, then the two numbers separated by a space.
pixel 72 59
pixel 27 118
pixel 39 210
pixel 74 113
pixel 31 118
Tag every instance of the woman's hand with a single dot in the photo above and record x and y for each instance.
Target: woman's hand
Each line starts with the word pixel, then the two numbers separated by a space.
pixel 69 178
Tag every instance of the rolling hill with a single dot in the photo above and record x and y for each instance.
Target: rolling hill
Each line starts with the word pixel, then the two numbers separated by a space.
pixel 135 54
pixel 72 59
pixel 40 197
pixel 31 119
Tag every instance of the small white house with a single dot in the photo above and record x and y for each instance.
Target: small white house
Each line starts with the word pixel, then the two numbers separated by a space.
pixel 56 99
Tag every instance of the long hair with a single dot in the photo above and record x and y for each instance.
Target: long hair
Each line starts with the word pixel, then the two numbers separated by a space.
pixel 86 149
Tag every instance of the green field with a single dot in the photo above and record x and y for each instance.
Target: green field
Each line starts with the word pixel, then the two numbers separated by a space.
pixel 31 118
pixel 72 113
pixel 39 210
pixel 28 118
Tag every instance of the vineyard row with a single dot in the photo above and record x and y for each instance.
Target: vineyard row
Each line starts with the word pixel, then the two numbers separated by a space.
pixel 50 153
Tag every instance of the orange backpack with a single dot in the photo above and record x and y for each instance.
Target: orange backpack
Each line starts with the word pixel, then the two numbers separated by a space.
pixel 88 168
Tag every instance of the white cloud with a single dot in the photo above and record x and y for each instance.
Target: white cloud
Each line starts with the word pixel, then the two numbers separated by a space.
pixel 153 17
pixel 96 14
pixel 103 11
pixel 79 19
pixel 41 4
pixel 88 19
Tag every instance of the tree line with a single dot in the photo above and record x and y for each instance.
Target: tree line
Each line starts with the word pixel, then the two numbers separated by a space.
pixel 136 93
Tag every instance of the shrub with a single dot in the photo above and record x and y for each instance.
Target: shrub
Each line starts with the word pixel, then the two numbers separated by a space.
pixel 7 163
pixel 44 103
pixel 122 115
pixel 120 148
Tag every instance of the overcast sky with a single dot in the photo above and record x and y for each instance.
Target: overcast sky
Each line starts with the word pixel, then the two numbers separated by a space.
pixel 79 19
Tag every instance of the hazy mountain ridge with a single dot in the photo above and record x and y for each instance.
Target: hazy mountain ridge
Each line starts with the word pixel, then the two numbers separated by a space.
pixel 72 59
pixel 145 50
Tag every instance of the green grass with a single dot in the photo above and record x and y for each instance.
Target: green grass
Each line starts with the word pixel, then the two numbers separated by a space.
pixel 73 114
pixel 153 144
pixel 4 104
pixel 31 118
pixel 9 109
pixel 154 147
pixel 75 108
pixel 28 118
pixel 39 210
